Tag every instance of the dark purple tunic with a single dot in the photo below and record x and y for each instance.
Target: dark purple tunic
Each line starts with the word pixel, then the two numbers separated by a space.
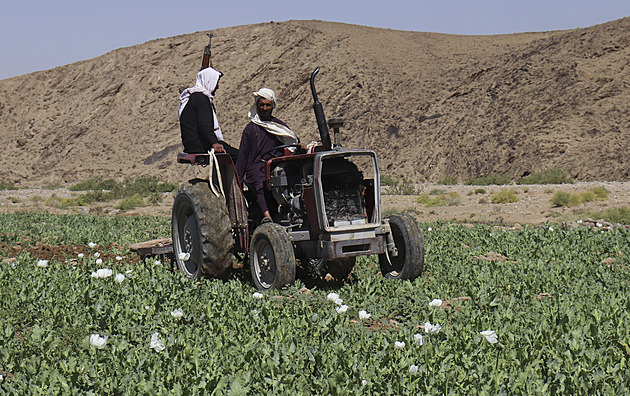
pixel 250 164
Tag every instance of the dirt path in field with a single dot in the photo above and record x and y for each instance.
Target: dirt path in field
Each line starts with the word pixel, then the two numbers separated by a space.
pixel 469 203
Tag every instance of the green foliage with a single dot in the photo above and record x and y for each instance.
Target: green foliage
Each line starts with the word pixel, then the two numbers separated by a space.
pixel 397 186
pixel 493 178
pixel 108 189
pixel 559 313
pixel 567 199
pixel 506 195
pixel 546 176
pixel 439 198
pixel 7 186
pixel 480 191
pixel 131 202
pixel 619 215
pixel 448 180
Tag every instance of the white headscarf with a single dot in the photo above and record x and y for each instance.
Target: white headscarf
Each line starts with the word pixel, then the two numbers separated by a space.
pixel 285 135
pixel 207 81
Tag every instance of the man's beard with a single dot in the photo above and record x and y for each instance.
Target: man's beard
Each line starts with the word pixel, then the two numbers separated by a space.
pixel 265 115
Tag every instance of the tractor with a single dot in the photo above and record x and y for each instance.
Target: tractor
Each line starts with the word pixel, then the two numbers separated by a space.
pixel 329 213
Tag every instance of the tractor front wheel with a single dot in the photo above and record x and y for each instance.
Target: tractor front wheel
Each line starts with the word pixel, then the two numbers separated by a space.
pixel 408 240
pixel 272 259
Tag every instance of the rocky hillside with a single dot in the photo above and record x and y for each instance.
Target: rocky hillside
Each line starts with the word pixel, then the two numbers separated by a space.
pixel 431 105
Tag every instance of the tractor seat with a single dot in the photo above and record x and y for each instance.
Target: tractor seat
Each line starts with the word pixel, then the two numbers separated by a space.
pixel 203 158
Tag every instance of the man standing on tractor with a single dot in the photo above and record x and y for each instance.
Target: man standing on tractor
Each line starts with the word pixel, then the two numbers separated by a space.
pixel 260 137
pixel 198 119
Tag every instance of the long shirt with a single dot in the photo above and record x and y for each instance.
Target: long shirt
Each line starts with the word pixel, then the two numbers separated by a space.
pixel 250 165
pixel 197 124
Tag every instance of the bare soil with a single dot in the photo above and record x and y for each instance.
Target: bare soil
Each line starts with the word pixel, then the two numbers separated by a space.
pixel 533 206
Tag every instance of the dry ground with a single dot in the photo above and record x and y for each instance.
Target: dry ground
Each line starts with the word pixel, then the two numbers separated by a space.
pixel 533 207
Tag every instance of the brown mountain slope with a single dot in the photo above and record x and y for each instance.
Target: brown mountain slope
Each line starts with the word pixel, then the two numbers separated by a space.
pixel 431 105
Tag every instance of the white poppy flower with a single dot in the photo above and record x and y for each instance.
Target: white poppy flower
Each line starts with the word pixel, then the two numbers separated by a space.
pixel 97 341
pixel 97 255
pixel 550 228
pixel 399 344
pixel 80 255
pixel 128 272
pixel 118 258
pixel 102 273
pixel 436 302
pixel 147 307
pixel 156 343
pixel 92 245
pixel 429 229
pixel 184 256
pixel 1 377
pixel 338 301
pixel 99 261
pixel 364 382
pixel 157 262
pixel 579 221
pixel 178 313
pixel 413 369
pixel 332 296
pixel 119 278
pixel 257 295
pixel 363 315
pixel 491 336
pixel 432 329
pixel 418 339
pixel 342 309
pixel 599 224
pixel 42 263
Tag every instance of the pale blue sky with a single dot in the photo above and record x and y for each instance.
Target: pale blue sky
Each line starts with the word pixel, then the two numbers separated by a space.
pixel 39 35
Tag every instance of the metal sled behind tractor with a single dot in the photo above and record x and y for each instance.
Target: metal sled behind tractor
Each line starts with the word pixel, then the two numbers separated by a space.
pixel 329 213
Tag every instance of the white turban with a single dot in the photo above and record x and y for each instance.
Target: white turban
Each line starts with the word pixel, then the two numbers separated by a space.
pixel 286 135
pixel 206 83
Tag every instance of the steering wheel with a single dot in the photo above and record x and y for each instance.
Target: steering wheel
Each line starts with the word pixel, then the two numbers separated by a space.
pixel 273 155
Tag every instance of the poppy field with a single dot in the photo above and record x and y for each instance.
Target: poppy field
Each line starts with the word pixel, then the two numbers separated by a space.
pixel 541 310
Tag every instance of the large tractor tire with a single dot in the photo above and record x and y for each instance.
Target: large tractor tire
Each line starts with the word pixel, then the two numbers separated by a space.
pixel 201 227
pixel 409 262
pixel 271 257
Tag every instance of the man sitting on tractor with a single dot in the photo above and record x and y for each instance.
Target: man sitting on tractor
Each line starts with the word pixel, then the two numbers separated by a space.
pixel 198 119
pixel 260 137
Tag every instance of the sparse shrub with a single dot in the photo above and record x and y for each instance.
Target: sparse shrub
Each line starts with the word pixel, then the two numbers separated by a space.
pixel 399 186
pixel 546 176
pixel 387 180
pixel 15 200
pixel 437 191
pixel 95 183
pixel 506 195
pixel 155 198
pixel 448 181
pixel 449 199
pixel 566 199
pixel 480 191
pixel 619 215
pixel 7 186
pixel 601 193
pixel 131 202
pixel 491 179
pixel 55 186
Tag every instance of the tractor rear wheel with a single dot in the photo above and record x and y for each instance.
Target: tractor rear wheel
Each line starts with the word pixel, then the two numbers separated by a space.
pixel 271 257
pixel 201 227
pixel 407 236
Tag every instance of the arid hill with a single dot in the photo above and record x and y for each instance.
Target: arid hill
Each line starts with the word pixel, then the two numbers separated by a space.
pixel 431 105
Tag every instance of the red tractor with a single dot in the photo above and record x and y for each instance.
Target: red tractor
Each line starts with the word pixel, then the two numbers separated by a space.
pixel 329 212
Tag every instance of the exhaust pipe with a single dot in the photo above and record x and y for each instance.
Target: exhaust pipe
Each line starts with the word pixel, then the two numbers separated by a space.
pixel 319 115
